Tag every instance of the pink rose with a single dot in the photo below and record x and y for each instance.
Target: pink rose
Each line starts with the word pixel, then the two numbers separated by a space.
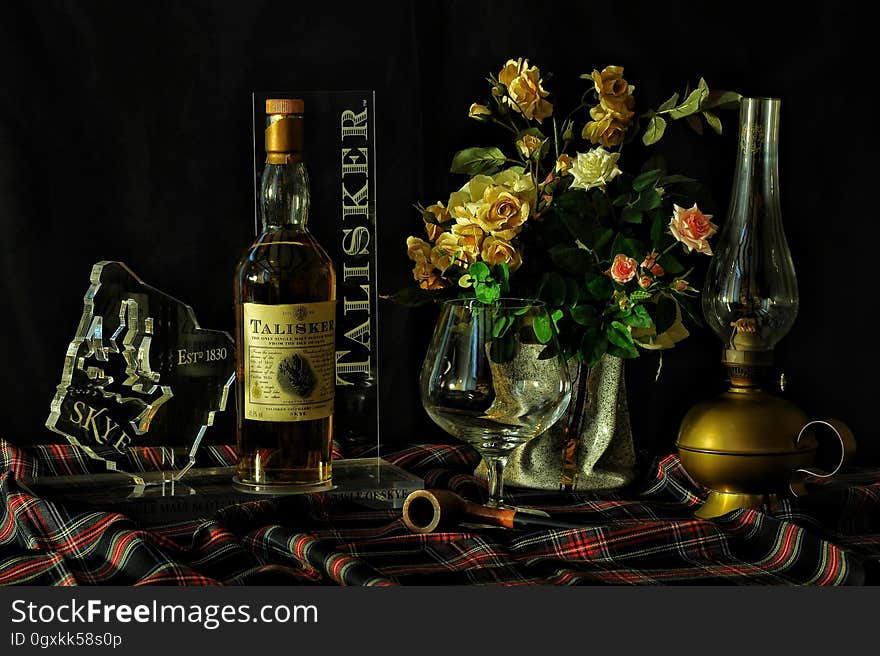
pixel 623 268
pixel 692 228
pixel 650 264
pixel 645 282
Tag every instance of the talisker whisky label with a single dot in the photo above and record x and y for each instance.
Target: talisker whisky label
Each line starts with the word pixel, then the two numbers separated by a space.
pixel 289 361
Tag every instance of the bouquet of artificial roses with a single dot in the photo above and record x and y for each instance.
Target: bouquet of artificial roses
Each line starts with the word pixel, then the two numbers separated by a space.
pixel 556 217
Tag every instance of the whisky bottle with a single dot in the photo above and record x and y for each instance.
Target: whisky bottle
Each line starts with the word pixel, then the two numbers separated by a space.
pixel 285 311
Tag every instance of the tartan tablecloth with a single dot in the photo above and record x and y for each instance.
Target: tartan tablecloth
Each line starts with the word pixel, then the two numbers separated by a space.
pixel 645 534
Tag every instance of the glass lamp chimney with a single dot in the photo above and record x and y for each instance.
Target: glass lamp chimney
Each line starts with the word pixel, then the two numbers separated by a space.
pixel 750 299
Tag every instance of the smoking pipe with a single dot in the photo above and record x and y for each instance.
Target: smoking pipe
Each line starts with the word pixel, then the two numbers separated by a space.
pixel 426 510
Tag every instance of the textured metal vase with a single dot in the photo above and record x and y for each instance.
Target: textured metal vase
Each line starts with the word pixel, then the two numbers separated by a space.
pixel 591 448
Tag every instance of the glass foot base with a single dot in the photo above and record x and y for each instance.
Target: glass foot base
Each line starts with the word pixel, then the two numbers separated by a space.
pixel 278 489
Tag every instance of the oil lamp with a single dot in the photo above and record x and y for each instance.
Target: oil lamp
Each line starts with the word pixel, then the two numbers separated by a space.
pixel 748 444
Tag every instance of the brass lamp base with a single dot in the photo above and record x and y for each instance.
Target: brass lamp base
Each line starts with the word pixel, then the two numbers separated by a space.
pixel 749 446
pixel 721 503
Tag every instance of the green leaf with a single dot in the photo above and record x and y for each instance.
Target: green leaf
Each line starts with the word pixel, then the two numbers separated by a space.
pixel 619 335
pixel 639 318
pixel 657 229
pixel 593 346
pixel 690 311
pixel 572 292
pixel 695 124
pixel 472 161
pixel 555 316
pixel 541 326
pixel 480 271
pixel 639 295
pixel 669 104
pixel 503 349
pixel 572 201
pixel 501 325
pixel 631 214
pixel 602 204
pixel 622 200
pixel 568 130
pixel 454 272
pixel 603 239
pixel 654 130
pixel 665 314
pixel 580 227
pixel 548 352
pixel 585 315
pixel 713 121
pixel 671 264
pixel 553 289
pixel 648 200
pixel 646 180
pixel 599 286
pixel 691 104
pixel 674 179
pixel 487 292
pixel 722 100
pixel 628 246
pixel 502 274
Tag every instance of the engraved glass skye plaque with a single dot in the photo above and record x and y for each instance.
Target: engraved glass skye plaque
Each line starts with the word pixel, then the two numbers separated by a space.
pixel 140 372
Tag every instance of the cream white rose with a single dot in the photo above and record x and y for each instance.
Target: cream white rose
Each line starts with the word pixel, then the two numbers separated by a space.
pixel 595 168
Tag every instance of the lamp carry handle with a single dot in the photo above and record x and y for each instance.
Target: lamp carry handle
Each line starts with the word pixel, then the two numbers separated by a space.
pixel 847 443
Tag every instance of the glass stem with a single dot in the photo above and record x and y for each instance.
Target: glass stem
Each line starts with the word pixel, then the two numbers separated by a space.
pixel 495 467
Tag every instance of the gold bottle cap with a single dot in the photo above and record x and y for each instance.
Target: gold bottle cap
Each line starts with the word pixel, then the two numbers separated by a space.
pixel 285 106
pixel 284 134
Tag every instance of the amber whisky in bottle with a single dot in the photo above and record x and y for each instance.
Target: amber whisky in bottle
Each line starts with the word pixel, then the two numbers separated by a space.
pixel 285 311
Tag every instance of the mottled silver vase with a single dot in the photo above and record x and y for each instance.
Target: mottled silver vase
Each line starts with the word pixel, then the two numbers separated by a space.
pixel 591 447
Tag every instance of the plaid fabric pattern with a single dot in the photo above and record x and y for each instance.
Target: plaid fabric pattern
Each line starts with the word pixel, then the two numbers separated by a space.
pixel 645 534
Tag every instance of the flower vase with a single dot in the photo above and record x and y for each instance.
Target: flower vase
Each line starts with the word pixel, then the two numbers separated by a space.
pixel 591 448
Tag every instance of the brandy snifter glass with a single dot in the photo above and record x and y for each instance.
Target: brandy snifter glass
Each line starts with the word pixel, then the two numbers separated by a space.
pixel 494 377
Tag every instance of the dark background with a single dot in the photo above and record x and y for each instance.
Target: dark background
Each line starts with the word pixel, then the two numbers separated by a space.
pixel 125 134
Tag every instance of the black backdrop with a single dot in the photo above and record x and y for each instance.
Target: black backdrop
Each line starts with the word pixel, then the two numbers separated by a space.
pixel 125 134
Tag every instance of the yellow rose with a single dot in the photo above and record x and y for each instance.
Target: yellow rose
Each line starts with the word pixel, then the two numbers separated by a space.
pixel 620 108
pixel 471 193
pixel 440 213
pixel 529 145
pixel 470 240
pixel 427 276
pixel 525 92
pixel 446 251
pixel 432 231
pixel 613 116
pixel 610 81
pixel 605 129
pixel 497 204
pixel 418 250
pixel 506 211
pixel 563 164
pixel 479 112
pixel 495 251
